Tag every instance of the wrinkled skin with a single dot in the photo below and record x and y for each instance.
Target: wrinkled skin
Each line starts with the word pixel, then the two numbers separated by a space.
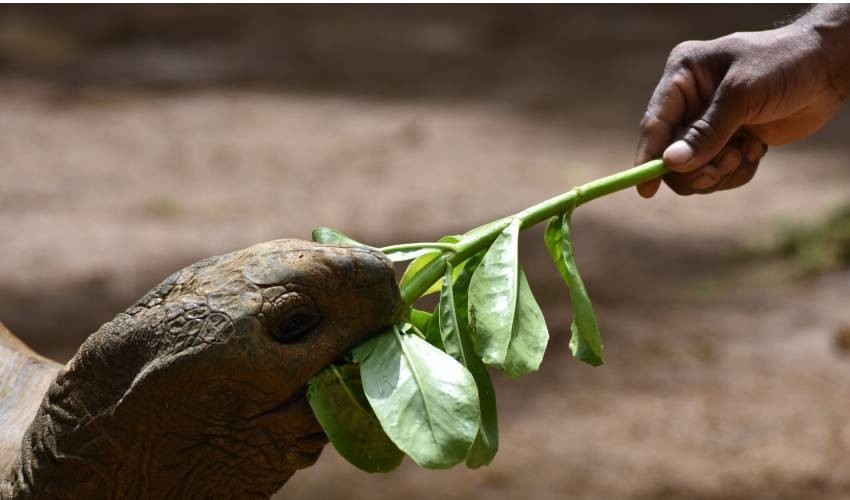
pixel 720 102
pixel 196 391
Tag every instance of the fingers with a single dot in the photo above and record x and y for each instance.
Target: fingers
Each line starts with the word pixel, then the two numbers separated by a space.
pixel 707 135
pixel 676 93
pixel 680 94
pixel 741 176
pixel 649 188
pixel 747 171
pixel 756 150
pixel 734 166
pixel 696 108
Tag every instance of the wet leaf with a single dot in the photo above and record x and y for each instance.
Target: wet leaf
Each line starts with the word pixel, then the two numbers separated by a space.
pixel 509 329
pixel 426 401
pixel 337 398
pixel 586 340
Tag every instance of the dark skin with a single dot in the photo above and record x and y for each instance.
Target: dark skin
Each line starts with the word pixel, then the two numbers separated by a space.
pixel 721 102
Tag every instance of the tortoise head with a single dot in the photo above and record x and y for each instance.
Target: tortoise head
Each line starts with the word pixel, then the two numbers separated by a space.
pixel 248 329
pixel 200 383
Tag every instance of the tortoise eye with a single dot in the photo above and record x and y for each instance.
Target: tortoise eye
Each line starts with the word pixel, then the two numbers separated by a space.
pixel 294 325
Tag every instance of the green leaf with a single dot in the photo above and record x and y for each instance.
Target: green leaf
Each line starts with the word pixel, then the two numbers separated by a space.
pixel 432 331
pixel 337 398
pixel 509 329
pixel 460 289
pixel 586 340
pixel 408 328
pixel 420 262
pixel 426 401
pixel 420 319
pixel 449 329
pixel 455 335
pixel 333 237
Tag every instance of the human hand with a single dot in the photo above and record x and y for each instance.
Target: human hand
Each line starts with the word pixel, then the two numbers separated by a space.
pixel 720 102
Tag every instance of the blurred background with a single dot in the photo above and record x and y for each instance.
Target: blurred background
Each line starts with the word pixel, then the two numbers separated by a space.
pixel 136 140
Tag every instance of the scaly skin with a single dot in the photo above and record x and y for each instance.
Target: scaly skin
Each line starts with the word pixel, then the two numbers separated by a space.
pixel 196 391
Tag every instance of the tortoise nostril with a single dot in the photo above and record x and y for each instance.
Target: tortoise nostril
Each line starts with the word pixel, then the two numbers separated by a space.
pixel 294 326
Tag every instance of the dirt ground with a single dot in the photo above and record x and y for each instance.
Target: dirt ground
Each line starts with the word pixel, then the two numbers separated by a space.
pixel 129 151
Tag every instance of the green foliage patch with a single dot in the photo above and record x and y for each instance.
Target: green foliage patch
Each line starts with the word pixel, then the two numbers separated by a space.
pixel 819 247
pixel 422 387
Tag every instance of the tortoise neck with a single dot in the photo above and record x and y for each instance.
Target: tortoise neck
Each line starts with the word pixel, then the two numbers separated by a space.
pixel 24 379
pixel 66 446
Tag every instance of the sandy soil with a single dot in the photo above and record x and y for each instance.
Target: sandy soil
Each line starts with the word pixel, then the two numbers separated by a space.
pixel 723 380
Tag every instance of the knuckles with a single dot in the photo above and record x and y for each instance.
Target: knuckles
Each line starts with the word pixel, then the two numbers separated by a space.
pixel 703 131
pixel 685 53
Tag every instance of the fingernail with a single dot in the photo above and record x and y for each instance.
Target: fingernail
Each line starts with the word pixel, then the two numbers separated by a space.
pixel 679 153
pixel 704 181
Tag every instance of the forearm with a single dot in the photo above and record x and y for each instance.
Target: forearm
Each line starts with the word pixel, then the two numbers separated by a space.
pixel 829 24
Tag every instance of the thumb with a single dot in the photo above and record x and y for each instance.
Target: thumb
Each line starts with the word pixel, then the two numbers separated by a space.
pixel 707 135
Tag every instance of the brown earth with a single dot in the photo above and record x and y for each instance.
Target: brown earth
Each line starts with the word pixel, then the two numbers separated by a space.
pixel 129 151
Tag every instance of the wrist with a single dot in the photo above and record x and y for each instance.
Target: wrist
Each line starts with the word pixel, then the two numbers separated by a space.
pixel 829 25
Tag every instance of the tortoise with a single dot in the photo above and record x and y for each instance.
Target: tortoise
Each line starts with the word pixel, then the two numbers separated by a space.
pixel 197 389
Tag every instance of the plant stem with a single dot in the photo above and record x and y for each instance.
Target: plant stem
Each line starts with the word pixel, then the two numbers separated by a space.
pixel 482 237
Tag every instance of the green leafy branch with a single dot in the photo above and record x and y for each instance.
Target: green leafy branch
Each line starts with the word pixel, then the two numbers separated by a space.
pixel 422 388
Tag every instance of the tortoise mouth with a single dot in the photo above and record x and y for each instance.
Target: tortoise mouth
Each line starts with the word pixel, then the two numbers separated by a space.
pixel 299 393
pixel 312 442
pixel 294 399
pixel 311 438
